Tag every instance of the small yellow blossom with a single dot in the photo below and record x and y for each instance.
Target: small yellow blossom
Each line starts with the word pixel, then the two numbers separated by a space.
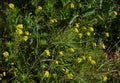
pixel 5 54
pixel 91 29
pixel 106 34
pixel 53 20
pixel 26 33
pixel 80 35
pixel 76 25
pixel 19 31
pixel 104 78
pixel 66 71
pixel 76 30
pixel 56 62
pixel 19 26
pixel 4 73
pixel 39 8
pixel 84 28
pixel 11 5
pixel 79 60
pixel 70 76
pixel 94 44
pixel 25 38
pixel 46 74
pixel 47 52
pixel 12 63
pixel 88 33
pixel 103 46
pixel 72 5
pixel 1 75
pixel 83 57
pixel 63 69
pixel 61 53
pixel 93 62
pixel 90 58
pixel 115 13
pixel 72 50
pixel 0 78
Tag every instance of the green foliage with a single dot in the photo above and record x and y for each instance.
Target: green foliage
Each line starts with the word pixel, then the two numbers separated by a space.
pixel 57 40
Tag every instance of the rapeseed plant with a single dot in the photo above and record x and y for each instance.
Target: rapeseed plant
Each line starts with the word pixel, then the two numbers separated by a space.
pixel 27 33
pixel 91 29
pixel 5 54
pixel 47 52
pixel 19 31
pixel 76 30
pixel 80 35
pixel 46 74
pixel 11 5
pixel 88 34
pixel 72 50
pixel 61 53
pixel 25 38
pixel 104 78
pixel 106 34
pixel 72 5
pixel 39 8
pixel 70 76
pixel 79 60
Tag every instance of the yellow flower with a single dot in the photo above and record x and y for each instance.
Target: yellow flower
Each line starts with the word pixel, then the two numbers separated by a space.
pixel 1 75
pixel 11 5
pixel 0 78
pixel 5 54
pixel 94 44
pixel 56 62
pixel 61 53
pixel 104 78
pixel 25 38
pixel 84 58
pixel 106 34
pixel 4 73
pixel 88 33
pixel 39 8
pixel 63 69
pixel 46 74
pixel 76 30
pixel 93 62
pixel 90 58
pixel 26 33
pixel 103 46
pixel 72 50
pixel 115 13
pixel 79 60
pixel 91 29
pixel 66 71
pixel 72 5
pixel 47 52
pixel 19 26
pixel 76 25
pixel 70 76
pixel 84 28
pixel 53 20
pixel 80 35
pixel 19 31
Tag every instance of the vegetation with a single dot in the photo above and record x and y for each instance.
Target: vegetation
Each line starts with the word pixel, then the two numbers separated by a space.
pixel 59 41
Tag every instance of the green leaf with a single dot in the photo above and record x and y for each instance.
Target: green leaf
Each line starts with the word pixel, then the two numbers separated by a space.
pixel 89 12
pixel 43 42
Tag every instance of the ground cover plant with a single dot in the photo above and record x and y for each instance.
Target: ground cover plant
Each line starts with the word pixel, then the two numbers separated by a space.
pixel 59 41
